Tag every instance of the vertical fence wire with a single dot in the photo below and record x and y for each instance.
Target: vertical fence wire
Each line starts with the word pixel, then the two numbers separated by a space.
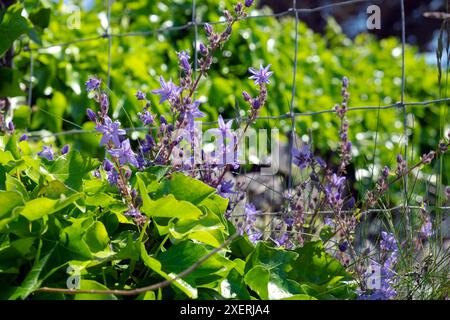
pixel 109 37
pixel 405 120
pixel 291 107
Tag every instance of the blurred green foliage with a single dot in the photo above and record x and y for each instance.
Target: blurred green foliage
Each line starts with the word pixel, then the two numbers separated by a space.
pixel 373 67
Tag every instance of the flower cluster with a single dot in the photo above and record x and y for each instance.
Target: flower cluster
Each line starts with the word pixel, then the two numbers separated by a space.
pixel 382 274
pixel 119 148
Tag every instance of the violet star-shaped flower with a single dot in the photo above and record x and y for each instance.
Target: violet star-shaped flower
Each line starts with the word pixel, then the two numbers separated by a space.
pixel 262 75
pixel 167 91
pixel 111 132
pixel 47 153
pixel 125 154
pixel 225 189
pixel 194 110
pixel 302 157
pixel 224 128
pixel 193 113
pixel 337 181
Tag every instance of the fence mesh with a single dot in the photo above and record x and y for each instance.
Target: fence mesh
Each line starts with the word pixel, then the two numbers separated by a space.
pixel 294 11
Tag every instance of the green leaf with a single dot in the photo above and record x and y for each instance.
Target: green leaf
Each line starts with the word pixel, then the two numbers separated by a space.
pixel 169 207
pixel 267 270
pixel 182 255
pixel 40 18
pixel 326 233
pixel 186 188
pixel 37 208
pixel 93 285
pixel 271 258
pixel 216 204
pixel 155 265
pixel 11 146
pixel 209 229
pixel 314 265
pixel 5 157
pixel 12 27
pixel 32 281
pixel 257 279
pixel 72 168
pixel 97 237
pixel 8 201
pixel 234 287
pixel 9 81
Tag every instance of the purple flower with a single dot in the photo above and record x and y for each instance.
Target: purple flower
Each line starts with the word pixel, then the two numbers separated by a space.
pixel 124 154
pixel 282 240
pixel 208 29
pixel 47 153
pixel 246 96
pixel 104 104
pixel 385 172
pixel 91 115
pixel 343 246
pixel 388 242
pixel 329 222
pixel 251 213
pixel 140 95
pixel 11 126
pixel 225 189
pixel 262 75
pixel 193 113
pixel 427 229
pixel 112 176
pixel 302 157
pixel 92 84
pixel 184 60
pixel 224 128
pixel 111 132
pixel 133 212
pixel 336 181
pixel 23 138
pixel 386 275
pixel 65 149
pixel 248 3
pixel 96 174
pixel 333 191
pixel 203 49
pixel 321 162
pixel 168 90
pixel 107 165
pixel 146 117
pixel 147 144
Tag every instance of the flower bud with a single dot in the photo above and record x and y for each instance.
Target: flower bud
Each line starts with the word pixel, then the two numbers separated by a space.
pixel 208 29
pixel 246 96
pixel 91 115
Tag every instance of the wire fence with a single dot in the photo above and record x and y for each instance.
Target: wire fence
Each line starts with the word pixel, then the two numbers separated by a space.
pixel 295 12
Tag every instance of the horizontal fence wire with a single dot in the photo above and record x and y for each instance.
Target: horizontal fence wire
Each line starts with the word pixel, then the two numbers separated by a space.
pixel 193 23
pixel 428 103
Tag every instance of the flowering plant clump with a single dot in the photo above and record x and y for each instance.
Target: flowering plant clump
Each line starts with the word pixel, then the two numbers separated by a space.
pixel 161 206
